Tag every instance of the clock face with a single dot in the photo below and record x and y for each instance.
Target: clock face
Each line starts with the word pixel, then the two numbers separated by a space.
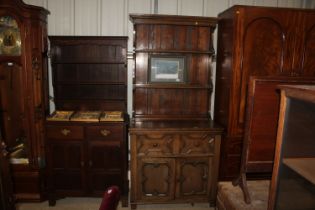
pixel 10 38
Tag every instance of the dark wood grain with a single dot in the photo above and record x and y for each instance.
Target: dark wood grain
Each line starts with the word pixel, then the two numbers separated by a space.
pixel 89 73
pixel 174 144
pixel 256 41
pixel 172 36
pixel 93 80
pixel 86 160
pixel 261 126
pixel 24 96
pixel 296 121
pixel 180 150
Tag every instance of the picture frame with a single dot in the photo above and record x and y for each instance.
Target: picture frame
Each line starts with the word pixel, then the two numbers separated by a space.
pixel 167 69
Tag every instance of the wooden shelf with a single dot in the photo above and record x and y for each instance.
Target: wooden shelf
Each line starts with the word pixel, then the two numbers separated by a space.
pixel 87 62
pixel 91 83
pixel 303 166
pixel 174 51
pixel 170 86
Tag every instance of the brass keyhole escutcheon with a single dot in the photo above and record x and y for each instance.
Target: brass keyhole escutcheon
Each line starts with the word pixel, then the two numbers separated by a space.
pixel 65 132
pixel 105 132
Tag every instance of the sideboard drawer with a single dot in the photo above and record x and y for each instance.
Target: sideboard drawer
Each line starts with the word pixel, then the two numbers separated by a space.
pixel 108 132
pixel 65 132
pixel 197 143
pixel 155 144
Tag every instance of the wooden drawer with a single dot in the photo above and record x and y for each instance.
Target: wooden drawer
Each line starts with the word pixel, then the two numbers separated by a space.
pixel 155 144
pixel 196 143
pixel 65 132
pixel 108 132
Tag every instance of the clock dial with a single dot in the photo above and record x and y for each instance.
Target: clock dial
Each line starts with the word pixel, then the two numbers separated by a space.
pixel 10 38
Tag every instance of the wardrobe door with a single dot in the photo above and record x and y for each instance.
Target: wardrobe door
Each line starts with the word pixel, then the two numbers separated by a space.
pixel 263 51
pixel 307 46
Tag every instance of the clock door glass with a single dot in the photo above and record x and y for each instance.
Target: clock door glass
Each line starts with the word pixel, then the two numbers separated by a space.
pixel 10 38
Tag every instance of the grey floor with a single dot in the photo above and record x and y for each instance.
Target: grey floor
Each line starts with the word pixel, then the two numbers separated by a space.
pixel 93 204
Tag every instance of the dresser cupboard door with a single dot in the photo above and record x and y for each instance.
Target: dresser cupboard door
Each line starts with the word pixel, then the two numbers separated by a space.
pixel 155 179
pixel 192 177
pixel 67 166
pixel 104 166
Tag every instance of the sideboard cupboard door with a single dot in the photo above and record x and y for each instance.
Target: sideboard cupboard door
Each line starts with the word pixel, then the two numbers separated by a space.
pixel 103 165
pixel 193 178
pixel 156 179
pixel 67 167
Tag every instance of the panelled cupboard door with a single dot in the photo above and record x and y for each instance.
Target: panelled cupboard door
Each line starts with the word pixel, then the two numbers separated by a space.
pixel 193 177
pixel 104 165
pixel 67 160
pixel 155 179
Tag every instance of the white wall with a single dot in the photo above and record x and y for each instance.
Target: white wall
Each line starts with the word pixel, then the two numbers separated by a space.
pixel 111 17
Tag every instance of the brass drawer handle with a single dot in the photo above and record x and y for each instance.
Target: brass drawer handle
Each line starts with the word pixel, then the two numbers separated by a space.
pixel 211 141
pixel 105 132
pixel 65 132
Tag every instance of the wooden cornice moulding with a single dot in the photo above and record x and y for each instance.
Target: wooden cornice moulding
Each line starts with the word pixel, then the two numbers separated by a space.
pixel 26 10
pixel 174 20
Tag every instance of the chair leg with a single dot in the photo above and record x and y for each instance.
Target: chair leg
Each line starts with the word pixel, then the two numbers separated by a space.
pixel 241 181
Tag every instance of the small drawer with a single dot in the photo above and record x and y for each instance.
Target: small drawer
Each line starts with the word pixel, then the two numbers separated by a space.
pixel 65 132
pixel 197 144
pixel 155 144
pixel 108 132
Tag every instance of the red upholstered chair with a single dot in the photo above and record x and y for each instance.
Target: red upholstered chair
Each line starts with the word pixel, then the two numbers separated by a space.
pixel 110 199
